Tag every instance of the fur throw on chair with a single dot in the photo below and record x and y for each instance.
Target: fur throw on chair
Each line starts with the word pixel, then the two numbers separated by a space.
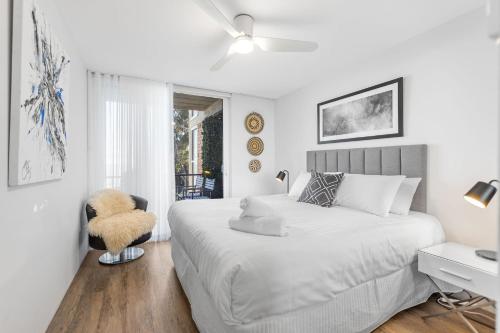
pixel 117 222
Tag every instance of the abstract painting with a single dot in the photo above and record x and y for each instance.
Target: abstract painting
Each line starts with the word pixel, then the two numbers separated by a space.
pixel 372 113
pixel 38 150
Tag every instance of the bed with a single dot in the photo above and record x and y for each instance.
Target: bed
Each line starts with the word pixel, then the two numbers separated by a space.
pixel 338 270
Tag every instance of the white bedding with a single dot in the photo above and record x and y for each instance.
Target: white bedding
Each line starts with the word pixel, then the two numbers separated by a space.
pixel 327 251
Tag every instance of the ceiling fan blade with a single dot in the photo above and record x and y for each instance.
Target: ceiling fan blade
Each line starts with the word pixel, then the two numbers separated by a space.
pixel 209 8
pixel 224 60
pixel 284 45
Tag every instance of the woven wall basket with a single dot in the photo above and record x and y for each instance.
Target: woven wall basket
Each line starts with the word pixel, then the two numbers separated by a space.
pixel 255 146
pixel 254 166
pixel 254 122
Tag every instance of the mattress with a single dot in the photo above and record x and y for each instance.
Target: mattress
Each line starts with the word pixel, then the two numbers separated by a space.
pixel 328 252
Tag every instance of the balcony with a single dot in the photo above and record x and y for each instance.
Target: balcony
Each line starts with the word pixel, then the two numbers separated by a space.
pixel 194 186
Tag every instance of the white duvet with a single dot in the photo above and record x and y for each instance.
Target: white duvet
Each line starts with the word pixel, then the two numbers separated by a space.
pixel 327 251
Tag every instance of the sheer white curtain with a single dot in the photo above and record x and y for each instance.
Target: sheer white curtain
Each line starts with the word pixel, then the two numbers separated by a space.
pixel 130 141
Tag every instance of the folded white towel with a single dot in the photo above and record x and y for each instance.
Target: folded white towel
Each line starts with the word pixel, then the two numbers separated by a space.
pixel 264 225
pixel 254 207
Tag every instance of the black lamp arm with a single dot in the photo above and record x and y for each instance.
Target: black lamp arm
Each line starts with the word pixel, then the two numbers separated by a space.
pixel 287 180
pixel 494 180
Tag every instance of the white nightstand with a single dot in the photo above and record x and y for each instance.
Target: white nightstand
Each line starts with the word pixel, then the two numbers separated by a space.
pixel 458 265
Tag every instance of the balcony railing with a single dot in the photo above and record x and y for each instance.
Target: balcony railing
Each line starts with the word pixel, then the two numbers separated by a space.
pixel 193 186
pixel 186 179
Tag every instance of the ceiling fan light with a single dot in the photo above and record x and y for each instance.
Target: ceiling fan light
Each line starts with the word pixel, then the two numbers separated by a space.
pixel 242 45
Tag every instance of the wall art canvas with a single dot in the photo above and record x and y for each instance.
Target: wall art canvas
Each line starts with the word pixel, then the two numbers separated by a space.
pixel 38 150
pixel 372 113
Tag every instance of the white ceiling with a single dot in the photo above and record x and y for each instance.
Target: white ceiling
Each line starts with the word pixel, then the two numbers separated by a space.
pixel 174 40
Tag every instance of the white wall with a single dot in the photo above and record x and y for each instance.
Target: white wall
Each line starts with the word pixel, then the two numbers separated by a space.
pixel 244 182
pixel 41 250
pixel 450 92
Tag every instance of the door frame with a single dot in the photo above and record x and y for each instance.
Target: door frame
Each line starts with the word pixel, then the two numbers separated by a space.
pixel 191 149
pixel 226 129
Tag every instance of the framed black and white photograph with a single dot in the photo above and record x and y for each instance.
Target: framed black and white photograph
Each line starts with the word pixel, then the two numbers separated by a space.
pixel 372 113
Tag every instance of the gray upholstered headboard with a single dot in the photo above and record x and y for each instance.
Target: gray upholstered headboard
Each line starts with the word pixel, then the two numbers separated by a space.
pixel 410 161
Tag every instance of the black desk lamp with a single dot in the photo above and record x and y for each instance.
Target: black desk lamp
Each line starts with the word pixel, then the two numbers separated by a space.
pixel 480 195
pixel 281 176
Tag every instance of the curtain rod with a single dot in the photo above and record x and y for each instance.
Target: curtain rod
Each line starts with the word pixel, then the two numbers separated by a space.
pixel 176 86
pixel 126 75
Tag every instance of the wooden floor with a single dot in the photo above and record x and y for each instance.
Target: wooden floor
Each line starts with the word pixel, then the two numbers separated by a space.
pixel 145 296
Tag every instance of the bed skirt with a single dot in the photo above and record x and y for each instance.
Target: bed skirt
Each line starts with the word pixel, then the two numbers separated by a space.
pixel 359 309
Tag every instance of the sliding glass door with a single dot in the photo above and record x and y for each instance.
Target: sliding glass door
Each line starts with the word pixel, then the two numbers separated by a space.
pixel 200 144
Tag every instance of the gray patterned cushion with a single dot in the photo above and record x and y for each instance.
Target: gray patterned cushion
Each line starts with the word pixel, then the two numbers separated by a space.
pixel 321 189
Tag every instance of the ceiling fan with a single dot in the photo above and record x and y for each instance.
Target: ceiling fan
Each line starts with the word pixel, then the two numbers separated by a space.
pixel 244 41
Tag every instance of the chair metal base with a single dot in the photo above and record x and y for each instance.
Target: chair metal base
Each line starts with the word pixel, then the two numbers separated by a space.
pixel 129 254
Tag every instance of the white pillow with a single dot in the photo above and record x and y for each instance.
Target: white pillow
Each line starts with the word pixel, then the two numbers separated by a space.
pixel 404 196
pixel 299 184
pixel 370 193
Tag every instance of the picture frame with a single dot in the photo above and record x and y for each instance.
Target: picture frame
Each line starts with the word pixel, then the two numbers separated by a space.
pixel 375 112
pixel 39 94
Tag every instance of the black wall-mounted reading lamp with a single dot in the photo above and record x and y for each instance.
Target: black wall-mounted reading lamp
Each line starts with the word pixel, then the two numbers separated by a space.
pixel 480 196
